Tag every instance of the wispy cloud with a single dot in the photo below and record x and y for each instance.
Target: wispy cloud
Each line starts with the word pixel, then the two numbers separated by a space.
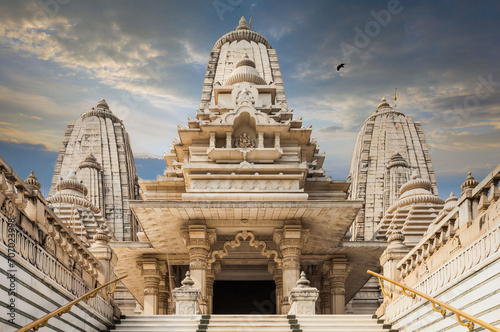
pixel 34 117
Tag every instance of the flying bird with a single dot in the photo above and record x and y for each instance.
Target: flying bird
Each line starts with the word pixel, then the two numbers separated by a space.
pixel 342 65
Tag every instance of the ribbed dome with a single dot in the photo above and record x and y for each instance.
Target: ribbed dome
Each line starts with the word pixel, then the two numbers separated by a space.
pixel 242 32
pixel 416 191
pixel 245 71
pixel 90 162
pixel 397 160
pixel 33 182
pixel 469 183
pixel 71 183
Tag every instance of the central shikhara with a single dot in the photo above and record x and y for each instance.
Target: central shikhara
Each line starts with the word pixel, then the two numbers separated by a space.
pixel 244 196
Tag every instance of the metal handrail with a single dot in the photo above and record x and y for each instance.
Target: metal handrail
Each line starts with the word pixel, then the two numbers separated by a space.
pixel 41 322
pixel 459 314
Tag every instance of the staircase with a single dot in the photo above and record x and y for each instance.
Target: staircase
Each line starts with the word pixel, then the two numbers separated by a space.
pixel 250 323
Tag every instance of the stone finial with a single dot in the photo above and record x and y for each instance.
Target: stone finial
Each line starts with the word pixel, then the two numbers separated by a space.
pixel 32 182
pixel 186 297
pixel 469 183
pixel 102 104
pixel 303 297
pixel 187 282
pixel 396 240
pixel 243 25
pixel 383 104
pixel 396 237
pixel 303 282
pixel 102 235
pixel 451 202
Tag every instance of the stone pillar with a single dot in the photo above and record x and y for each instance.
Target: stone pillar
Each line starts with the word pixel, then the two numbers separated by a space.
pixel 277 273
pixel 228 140
pixel 395 251
pixel 303 298
pixel 212 140
pixel 292 238
pixel 210 288
pixel 186 297
pixel 198 246
pixel 324 295
pixel 277 144
pixel 260 144
pixel 152 271
pixel 339 270
pixel 103 252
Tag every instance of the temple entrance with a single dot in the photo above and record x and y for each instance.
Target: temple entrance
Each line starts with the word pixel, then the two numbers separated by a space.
pixel 244 297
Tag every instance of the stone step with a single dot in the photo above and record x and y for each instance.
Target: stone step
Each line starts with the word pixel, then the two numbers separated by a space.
pixel 338 323
pixel 250 323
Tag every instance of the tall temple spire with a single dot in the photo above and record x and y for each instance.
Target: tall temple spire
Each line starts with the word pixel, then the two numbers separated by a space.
pixel 389 145
pixel 97 147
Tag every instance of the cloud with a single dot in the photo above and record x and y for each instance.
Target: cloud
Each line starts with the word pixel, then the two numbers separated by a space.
pixel 34 117
pixel 331 129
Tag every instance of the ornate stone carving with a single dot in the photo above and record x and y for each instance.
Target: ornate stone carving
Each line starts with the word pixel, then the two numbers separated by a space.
pixel 186 297
pixel 244 141
pixel 303 297
pixel 244 235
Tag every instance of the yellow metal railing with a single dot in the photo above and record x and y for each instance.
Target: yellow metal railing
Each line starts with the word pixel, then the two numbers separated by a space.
pixel 410 292
pixel 41 322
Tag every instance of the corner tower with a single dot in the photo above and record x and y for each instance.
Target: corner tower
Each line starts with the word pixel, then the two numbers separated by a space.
pixel 97 148
pixel 389 148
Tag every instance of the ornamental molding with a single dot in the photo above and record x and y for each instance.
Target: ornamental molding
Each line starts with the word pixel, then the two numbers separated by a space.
pixel 252 241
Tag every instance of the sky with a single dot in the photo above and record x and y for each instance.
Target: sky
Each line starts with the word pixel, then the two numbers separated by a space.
pixel 148 59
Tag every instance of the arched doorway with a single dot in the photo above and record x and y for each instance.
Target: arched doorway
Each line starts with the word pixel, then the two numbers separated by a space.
pixel 244 285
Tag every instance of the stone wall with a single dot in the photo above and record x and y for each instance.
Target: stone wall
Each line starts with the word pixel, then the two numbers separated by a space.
pixel 43 265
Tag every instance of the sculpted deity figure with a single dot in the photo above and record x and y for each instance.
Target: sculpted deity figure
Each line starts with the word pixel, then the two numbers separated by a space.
pixel 245 142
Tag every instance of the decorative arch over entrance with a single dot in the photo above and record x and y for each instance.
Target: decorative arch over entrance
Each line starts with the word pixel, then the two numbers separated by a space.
pixel 253 242
pixel 244 296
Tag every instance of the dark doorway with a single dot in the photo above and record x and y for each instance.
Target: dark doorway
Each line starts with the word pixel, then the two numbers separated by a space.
pixel 244 297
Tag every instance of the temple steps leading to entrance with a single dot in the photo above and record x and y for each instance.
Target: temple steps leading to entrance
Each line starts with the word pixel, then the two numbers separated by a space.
pixel 250 323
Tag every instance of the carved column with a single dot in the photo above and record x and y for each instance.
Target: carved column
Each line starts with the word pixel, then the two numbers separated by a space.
pixel 292 239
pixel 260 144
pixel 228 139
pixel 210 285
pixel 338 274
pixel 277 143
pixel 276 271
pixel 152 272
pixel 198 245
pixel 324 295
pixel 212 140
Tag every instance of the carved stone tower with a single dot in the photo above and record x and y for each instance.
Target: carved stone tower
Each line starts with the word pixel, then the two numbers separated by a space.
pixel 97 148
pixel 390 146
